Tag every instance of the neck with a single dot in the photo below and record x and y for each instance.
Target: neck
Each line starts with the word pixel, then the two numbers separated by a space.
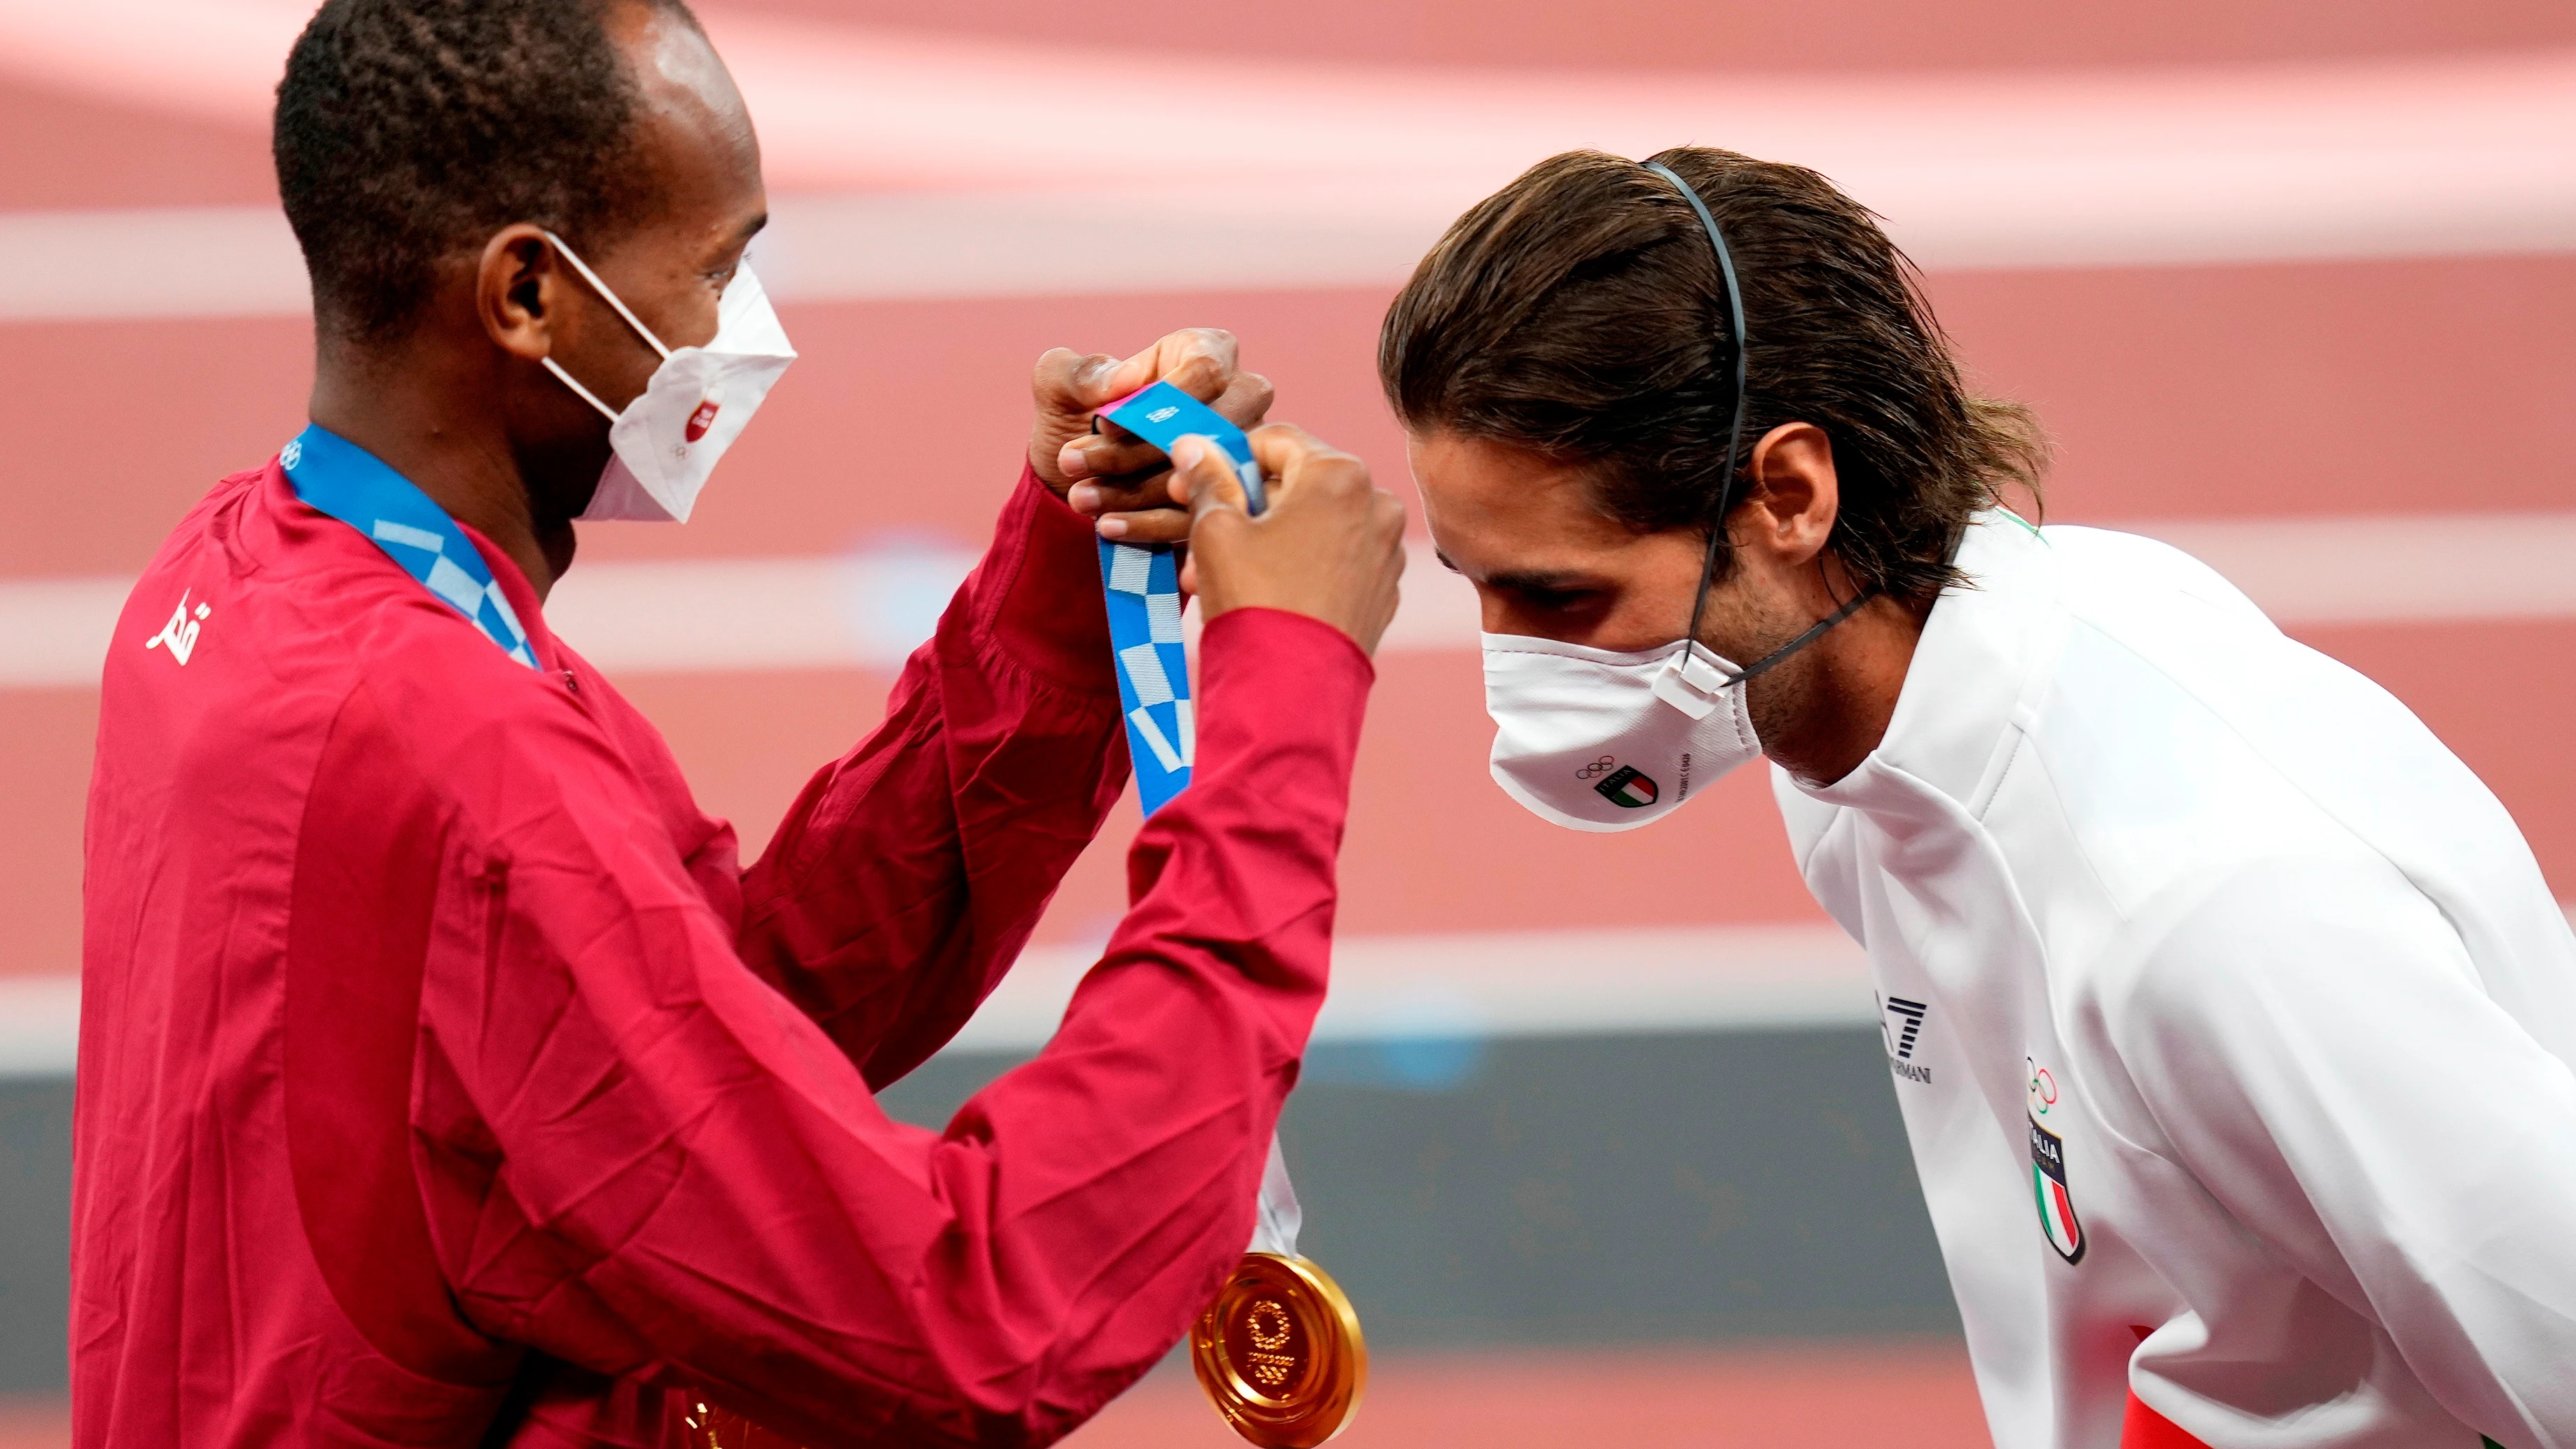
pixel 1826 709
pixel 418 417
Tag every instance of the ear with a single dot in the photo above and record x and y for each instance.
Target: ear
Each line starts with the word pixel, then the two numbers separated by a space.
pixel 518 291
pixel 1796 495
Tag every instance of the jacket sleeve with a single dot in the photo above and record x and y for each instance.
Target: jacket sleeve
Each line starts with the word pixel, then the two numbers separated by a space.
pixel 2312 1041
pixel 910 872
pixel 643 1160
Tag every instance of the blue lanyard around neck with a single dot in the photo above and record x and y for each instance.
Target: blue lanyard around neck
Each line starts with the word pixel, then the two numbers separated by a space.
pixel 354 486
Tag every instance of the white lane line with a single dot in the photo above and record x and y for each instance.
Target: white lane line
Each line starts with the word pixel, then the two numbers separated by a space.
pixel 708 615
pixel 39 1025
pixel 2391 569
pixel 1516 984
pixel 1471 987
pixel 2306 572
pixel 1536 983
pixel 909 165
pixel 190 261
pixel 871 609
pixel 242 261
pixel 54 632
pixel 845 106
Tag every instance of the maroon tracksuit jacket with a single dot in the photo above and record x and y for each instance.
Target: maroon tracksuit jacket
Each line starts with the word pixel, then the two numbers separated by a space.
pixel 444 1080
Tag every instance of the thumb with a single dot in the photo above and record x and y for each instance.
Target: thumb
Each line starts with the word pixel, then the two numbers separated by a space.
pixel 1070 380
pixel 1203 477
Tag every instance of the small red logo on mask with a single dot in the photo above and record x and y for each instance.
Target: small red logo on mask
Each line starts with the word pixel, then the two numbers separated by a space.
pixel 701 420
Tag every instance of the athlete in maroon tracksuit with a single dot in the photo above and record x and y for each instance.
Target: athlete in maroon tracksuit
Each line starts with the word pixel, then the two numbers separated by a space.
pixel 441 1069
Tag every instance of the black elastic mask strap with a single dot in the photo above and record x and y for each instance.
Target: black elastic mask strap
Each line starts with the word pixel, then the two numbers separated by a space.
pixel 1735 429
pixel 1814 632
pixel 1734 449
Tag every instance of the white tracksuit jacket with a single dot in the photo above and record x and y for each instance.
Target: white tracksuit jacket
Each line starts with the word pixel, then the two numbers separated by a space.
pixel 2217 927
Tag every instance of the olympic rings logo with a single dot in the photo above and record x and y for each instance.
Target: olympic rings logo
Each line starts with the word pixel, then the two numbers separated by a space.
pixel 2043 1087
pixel 1601 766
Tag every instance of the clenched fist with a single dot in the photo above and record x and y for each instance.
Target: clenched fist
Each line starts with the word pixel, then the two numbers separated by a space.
pixel 1330 546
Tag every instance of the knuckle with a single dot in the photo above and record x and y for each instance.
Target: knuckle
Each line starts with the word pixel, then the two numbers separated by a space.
pixel 1201 376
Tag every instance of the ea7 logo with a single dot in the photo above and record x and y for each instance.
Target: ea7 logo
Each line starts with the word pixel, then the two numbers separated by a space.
pixel 181 632
pixel 1900 1025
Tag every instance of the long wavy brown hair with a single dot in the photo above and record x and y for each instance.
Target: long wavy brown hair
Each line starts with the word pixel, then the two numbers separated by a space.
pixel 1580 313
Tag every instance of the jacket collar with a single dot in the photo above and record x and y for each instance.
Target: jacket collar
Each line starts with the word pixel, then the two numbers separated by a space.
pixel 1973 677
pixel 287 522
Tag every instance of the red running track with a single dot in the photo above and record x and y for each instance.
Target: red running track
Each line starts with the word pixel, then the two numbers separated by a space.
pixel 1816 1396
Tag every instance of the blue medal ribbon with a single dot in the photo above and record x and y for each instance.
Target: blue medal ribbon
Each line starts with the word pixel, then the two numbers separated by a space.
pixel 1154 683
pixel 339 478
pixel 1144 590
pixel 1144 593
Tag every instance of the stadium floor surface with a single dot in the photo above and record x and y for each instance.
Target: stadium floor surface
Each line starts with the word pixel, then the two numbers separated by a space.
pixel 1822 1395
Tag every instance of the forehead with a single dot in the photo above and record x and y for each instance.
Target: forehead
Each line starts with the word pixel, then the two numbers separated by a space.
pixel 692 128
pixel 1494 508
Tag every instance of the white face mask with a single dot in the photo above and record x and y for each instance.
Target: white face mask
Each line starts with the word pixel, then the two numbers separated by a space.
pixel 1596 740
pixel 668 439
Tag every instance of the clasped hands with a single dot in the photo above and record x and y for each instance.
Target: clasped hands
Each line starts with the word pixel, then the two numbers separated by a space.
pixel 1330 546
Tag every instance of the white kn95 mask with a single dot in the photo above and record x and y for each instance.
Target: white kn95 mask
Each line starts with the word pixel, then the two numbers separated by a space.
pixel 1583 738
pixel 669 438
pixel 1592 739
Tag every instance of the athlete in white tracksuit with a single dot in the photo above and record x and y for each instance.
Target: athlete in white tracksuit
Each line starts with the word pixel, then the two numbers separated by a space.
pixel 2230 1016
pixel 2216 923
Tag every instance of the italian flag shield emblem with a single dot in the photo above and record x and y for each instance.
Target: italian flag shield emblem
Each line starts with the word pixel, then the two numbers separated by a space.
pixel 1628 786
pixel 2048 1182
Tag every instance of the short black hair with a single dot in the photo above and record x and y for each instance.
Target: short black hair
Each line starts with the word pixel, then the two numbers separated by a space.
pixel 410 130
pixel 1579 313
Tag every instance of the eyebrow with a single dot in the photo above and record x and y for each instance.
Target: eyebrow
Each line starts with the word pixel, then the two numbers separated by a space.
pixel 1535 581
pixel 1543 581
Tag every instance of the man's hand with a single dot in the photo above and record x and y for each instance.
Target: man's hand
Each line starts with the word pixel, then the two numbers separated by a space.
pixel 1110 475
pixel 1331 545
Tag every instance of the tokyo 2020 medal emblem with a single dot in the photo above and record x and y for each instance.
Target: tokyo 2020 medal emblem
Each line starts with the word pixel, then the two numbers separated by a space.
pixel 1280 1354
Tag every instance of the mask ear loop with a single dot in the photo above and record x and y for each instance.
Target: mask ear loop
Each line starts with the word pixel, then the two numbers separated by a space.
pixel 1735 429
pixel 611 298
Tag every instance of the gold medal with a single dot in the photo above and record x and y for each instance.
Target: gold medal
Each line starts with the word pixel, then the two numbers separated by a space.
pixel 1280 1354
